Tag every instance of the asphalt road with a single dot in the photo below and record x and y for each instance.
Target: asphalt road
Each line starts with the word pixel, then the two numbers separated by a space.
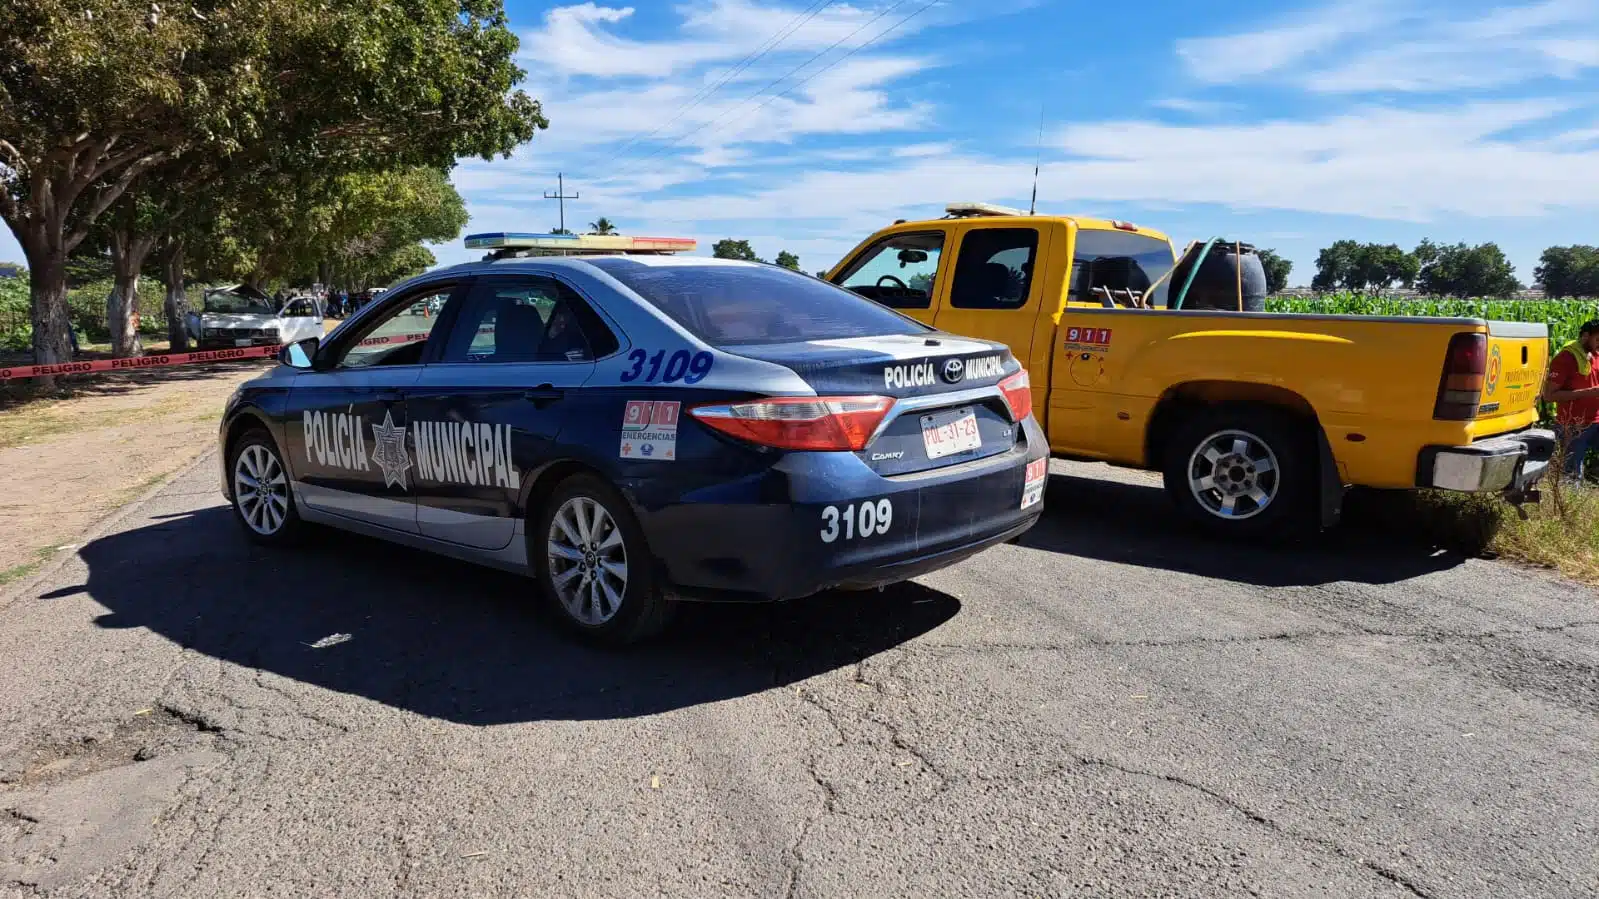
pixel 1109 708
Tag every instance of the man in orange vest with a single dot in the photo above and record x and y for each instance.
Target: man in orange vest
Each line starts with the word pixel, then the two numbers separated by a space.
pixel 1573 387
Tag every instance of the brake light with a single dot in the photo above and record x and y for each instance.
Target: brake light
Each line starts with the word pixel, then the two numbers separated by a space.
pixel 1018 391
pixel 826 423
pixel 1460 386
pixel 1123 226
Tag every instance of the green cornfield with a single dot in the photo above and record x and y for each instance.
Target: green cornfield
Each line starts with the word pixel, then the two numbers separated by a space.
pixel 1562 316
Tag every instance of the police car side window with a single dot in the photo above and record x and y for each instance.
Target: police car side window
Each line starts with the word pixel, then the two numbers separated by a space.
pixel 400 334
pixel 527 320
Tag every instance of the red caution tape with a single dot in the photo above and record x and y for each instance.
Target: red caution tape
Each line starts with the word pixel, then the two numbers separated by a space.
pixel 157 360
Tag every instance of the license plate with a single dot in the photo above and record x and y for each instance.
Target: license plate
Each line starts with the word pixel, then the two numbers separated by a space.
pixel 241 342
pixel 947 433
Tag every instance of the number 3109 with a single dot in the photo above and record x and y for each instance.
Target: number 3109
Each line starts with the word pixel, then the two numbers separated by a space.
pixel 864 520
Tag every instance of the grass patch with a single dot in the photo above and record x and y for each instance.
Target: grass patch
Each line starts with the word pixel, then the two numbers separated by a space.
pixel 30 424
pixel 18 572
pixel 1561 533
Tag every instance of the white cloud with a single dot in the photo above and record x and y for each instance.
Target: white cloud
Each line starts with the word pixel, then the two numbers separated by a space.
pixel 1406 46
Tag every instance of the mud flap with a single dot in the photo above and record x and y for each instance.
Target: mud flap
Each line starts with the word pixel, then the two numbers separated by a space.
pixel 1331 486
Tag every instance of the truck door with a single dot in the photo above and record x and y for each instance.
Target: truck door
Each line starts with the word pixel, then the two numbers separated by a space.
pixel 902 271
pixel 995 292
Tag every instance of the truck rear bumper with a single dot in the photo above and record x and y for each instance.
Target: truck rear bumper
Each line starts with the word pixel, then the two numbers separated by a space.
pixel 1510 463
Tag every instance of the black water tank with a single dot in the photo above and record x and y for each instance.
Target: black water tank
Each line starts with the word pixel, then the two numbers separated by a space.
pixel 1216 285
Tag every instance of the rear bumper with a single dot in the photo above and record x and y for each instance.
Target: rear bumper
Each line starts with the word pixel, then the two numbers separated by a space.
pixel 797 529
pixel 1509 463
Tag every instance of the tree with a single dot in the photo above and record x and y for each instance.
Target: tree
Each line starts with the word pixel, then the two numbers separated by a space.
pixel 560 231
pixel 1569 271
pixel 728 248
pixel 1350 265
pixel 96 93
pixel 602 225
pixel 1277 269
pixel 1335 265
pixel 1465 272
pixel 788 260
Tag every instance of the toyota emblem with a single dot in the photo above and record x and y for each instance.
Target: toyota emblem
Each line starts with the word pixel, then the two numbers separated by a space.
pixel 953 370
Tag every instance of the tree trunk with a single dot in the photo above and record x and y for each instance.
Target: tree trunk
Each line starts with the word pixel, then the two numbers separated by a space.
pixel 128 252
pixel 52 327
pixel 177 302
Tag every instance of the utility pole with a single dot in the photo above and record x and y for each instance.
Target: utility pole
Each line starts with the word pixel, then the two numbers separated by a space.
pixel 562 196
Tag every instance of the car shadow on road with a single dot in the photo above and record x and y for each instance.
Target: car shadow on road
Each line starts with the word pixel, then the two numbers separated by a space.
pixel 458 642
pixel 1136 524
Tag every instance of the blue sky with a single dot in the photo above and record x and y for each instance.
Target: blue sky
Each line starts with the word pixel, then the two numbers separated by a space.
pixel 1288 125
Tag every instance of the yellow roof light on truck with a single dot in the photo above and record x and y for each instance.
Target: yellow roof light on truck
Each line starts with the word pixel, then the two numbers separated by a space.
pixel 968 210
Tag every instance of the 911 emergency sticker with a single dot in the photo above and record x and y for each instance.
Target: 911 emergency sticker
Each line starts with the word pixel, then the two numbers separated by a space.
pixel 649 430
pixel 1033 482
pixel 1087 338
pixel 864 520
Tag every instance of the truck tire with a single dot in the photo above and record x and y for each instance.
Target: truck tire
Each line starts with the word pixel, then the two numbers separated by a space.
pixel 1243 471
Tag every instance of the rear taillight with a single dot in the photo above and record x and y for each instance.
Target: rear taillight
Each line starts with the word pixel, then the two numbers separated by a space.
pixel 1018 391
pixel 1460 387
pixel 800 422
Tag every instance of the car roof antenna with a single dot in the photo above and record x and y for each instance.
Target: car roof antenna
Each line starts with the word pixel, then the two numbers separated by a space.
pixel 1038 153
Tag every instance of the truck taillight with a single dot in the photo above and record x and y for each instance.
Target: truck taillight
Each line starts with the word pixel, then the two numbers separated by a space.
pixel 826 423
pixel 1018 391
pixel 1460 387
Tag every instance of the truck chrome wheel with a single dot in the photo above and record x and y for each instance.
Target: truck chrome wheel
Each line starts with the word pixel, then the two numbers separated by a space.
pixel 261 490
pixel 587 560
pixel 1233 474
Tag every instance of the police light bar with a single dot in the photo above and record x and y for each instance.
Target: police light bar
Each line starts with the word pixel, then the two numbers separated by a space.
pixel 576 244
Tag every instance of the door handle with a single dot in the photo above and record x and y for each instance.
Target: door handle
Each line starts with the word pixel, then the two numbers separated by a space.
pixel 543 395
pixel 389 396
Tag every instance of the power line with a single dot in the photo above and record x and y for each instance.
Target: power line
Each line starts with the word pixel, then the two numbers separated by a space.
pixel 631 168
pixel 759 53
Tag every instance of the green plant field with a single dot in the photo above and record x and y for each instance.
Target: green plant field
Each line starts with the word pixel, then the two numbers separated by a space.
pixel 1562 316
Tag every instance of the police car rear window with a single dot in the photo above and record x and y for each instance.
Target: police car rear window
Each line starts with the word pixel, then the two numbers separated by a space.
pixel 730 305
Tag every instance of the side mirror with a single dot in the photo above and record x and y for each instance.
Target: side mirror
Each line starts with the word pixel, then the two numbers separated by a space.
pixel 300 354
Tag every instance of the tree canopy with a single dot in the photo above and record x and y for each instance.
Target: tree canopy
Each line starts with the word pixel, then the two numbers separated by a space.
pixel 94 94
pixel 788 260
pixel 1277 269
pixel 728 248
pixel 1569 271
pixel 1350 265
pixel 1464 271
pixel 602 225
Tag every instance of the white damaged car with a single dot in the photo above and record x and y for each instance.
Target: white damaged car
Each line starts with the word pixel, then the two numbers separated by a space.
pixel 241 315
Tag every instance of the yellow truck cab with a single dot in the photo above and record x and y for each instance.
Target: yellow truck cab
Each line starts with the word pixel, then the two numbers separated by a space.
pixel 1257 420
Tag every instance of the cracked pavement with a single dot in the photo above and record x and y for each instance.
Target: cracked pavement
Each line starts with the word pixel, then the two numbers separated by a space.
pixel 1109 707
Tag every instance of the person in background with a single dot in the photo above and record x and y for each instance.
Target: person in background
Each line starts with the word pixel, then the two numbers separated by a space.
pixel 1573 387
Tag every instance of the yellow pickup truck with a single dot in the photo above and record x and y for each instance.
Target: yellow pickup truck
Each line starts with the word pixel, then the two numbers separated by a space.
pixel 1258 421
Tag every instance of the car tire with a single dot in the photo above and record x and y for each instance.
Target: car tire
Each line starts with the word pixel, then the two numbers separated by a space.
pixel 1242 472
pixel 266 511
pixel 597 577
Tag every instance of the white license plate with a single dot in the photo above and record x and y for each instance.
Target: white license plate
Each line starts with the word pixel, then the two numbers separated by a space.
pixel 244 342
pixel 947 433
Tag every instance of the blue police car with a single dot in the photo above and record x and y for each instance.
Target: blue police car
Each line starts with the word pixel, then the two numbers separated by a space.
pixel 634 429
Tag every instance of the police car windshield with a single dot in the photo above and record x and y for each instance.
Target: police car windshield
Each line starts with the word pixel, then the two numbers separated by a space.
pixel 732 305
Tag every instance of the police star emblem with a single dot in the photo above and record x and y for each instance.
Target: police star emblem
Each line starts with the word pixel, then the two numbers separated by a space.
pixel 388 450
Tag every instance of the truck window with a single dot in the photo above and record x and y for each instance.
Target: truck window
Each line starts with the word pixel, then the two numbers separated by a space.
pixel 898 271
pixel 1119 261
pixel 994 269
